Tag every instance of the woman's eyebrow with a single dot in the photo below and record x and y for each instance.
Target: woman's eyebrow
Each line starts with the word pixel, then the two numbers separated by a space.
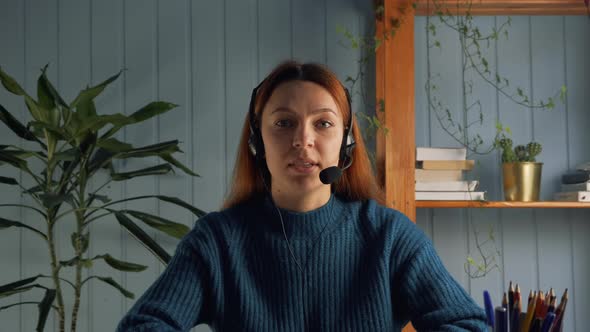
pixel 319 110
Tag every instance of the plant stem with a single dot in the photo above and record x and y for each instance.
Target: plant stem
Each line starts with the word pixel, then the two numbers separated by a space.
pixel 78 246
pixel 55 277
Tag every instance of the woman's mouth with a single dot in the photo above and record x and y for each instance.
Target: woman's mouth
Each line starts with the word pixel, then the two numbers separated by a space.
pixel 303 167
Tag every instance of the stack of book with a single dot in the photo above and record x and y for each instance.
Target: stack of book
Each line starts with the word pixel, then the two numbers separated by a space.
pixel 439 175
pixel 575 186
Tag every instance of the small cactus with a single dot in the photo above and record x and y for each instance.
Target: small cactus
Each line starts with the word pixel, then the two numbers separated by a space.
pixel 533 149
pixel 519 153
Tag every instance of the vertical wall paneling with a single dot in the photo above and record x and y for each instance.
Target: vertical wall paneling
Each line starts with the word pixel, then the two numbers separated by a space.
pixel 107 59
pixel 172 125
pixel 549 128
pixel 340 57
pixel 209 103
pixel 274 34
pixel 207 56
pixel 12 62
pixel 449 226
pixel 309 30
pixel 140 88
pixel 577 45
pixel 241 70
pixel 41 48
pixel 73 67
pixel 519 245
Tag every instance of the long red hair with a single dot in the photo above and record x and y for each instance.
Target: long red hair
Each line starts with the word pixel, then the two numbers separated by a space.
pixel 356 183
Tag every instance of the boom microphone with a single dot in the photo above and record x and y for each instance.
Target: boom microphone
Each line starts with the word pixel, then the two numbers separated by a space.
pixel 330 174
pixel 333 173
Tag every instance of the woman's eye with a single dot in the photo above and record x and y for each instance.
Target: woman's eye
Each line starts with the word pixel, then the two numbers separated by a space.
pixel 284 123
pixel 325 124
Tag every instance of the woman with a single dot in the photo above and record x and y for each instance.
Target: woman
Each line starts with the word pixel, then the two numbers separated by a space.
pixel 291 253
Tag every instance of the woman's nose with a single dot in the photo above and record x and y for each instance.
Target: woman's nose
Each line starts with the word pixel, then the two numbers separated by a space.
pixel 303 137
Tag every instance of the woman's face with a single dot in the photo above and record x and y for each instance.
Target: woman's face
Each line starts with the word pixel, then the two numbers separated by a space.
pixel 302 130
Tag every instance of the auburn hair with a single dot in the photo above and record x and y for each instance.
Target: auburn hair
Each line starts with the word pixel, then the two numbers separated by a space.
pixel 356 183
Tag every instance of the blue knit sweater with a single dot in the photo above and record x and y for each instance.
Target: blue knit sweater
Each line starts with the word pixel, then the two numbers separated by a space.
pixel 364 268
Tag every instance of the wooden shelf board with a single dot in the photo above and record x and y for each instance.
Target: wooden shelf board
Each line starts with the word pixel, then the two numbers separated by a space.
pixel 501 204
pixel 504 7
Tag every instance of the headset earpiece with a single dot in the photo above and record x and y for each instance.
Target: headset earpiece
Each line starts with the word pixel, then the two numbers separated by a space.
pixel 348 142
pixel 255 142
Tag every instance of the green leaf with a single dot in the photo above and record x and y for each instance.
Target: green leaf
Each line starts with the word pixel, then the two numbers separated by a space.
pixel 92 92
pixel 86 110
pixel 150 110
pixel 51 200
pixel 10 181
pixel 178 164
pixel 44 307
pixel 197 212
pixel 114 145
pixel 142 237
pixel 5 223
pixel 94 124
pixel 17 284
pixel 10 84
pixel 150 150
pixel 34 109
pixel 38 188
pixel 113 283
pixel 86 263
pixel 16 291
pixel 155 170
pixel 100 158
pixel 102 198
pixel 68 155
pixel 162 224
pixel 121 265
pixel 48 91
pixel 58 132
pixel 6 157
pixel 18 128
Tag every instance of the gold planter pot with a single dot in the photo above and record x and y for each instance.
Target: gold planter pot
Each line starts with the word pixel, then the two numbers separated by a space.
pixel 522 181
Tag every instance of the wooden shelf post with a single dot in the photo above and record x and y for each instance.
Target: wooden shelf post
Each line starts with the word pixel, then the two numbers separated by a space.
pixel 395 91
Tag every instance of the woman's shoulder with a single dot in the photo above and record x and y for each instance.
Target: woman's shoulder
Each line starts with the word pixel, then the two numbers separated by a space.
pixel 379 215
pixel 223 222
pixel 377 221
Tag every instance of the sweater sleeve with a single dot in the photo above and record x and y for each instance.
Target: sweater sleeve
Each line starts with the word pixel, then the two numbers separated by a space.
pixel 175 301
pixel 431 298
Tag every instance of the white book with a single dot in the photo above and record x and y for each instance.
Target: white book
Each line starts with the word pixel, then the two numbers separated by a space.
pixel 447 186
pixel 429 175
pixel 584 186
pixel 572 196
pixel 426 153
pixel 450 195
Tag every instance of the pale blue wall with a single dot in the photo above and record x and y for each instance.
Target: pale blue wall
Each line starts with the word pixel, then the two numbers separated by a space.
pixel 206 56
pixel 541 248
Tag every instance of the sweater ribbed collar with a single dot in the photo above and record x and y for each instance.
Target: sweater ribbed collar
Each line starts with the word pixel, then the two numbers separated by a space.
pixel 310 224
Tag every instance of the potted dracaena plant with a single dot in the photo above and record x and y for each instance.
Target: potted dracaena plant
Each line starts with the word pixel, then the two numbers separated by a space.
pixel 72 145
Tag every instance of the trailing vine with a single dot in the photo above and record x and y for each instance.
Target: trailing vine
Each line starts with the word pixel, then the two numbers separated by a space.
pixel 471 40
pixel 473 61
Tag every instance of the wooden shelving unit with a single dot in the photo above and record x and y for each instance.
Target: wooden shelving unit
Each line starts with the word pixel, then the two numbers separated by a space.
pixel 394 88
pixel 502 204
